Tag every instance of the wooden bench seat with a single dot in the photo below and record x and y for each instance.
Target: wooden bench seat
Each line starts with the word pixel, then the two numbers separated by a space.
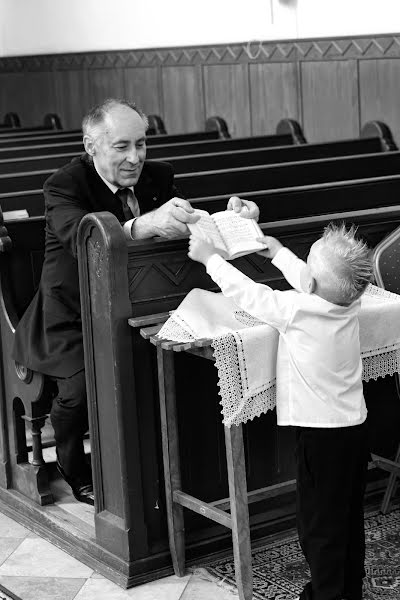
pixel 215 128
pixel 226 156
pixel 12 127
pixel 159 150
pixel 237 181
pixel 11 121
pixel 285 203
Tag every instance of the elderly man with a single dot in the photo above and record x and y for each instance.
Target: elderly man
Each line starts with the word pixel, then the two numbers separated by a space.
pixel 112 175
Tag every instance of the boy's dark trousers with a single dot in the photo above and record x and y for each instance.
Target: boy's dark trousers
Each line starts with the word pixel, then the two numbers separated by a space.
pixel 331 478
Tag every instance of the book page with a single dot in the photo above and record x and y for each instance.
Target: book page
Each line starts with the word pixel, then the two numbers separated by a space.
pixel 206 228
pixel 238 233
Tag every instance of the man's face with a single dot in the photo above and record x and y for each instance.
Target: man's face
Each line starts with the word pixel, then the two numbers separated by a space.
pixel 120 148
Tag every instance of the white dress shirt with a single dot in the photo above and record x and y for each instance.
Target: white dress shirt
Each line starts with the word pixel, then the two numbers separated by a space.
pixel 319 368
pixel 127 226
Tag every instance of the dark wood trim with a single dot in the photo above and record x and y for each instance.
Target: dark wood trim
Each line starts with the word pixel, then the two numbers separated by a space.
pixel 354 47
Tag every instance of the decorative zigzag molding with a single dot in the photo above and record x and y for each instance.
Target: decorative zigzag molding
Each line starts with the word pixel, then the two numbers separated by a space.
pixel 291 50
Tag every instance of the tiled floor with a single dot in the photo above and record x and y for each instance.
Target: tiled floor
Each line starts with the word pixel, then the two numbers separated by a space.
pixel 34 569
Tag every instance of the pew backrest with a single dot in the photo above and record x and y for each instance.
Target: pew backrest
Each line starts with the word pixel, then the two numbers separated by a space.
pixel 227 157
pixel 235 181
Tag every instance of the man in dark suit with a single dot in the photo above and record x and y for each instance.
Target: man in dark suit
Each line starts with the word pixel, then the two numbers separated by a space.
pixel 112 175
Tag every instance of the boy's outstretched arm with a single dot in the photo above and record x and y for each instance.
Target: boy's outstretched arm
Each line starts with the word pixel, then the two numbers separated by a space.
pixel 201 250
pixel 257 299
pixel 272 246
pixel 295 270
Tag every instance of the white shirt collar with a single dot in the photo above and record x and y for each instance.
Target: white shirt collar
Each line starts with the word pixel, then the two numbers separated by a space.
pixel 111 186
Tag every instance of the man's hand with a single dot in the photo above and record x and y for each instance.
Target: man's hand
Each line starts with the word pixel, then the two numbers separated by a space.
pixel 246 208
pixel 272 246
pixel 200 250
pixel 168 221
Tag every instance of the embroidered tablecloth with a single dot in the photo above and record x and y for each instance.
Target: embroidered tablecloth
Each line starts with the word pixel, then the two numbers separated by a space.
pixel 245 349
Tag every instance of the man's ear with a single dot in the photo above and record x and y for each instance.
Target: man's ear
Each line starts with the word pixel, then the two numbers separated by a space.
pixel 307 281
pixel 89 145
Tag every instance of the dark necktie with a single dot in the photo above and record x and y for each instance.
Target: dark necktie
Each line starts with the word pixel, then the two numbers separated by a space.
pixel 125 194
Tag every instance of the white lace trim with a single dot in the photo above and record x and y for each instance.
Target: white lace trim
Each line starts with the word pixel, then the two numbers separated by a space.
pixel 236 410
pixel 380 365
pixel 373 290
pixel 176 329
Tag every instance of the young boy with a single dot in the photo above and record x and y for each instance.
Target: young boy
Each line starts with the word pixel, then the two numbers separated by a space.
pixel 319 391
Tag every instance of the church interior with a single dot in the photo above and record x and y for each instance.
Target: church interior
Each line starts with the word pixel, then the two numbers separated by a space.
pixel 288 104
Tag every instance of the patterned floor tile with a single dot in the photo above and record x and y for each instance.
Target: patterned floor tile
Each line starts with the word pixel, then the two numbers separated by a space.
pixel 36 557
pixel 7 547
pixel 43 588
pixel 11 529
pixel 202 587
pixel 170 588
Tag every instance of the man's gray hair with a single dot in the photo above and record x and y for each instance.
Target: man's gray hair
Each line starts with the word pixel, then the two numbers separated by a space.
pixel 351 260
pixel 97 114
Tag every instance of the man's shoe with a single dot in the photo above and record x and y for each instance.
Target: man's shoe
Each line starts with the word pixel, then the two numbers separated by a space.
pixel 83 492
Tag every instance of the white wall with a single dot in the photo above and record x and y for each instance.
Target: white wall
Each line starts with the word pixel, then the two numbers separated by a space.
pixel 50 26
pixel 2 20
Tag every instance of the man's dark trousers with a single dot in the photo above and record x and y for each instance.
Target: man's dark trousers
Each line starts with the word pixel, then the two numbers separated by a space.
pixel 331 478
pixel 69 418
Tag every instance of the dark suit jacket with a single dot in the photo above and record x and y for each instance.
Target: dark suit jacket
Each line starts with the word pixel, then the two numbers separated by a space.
pixel 48 338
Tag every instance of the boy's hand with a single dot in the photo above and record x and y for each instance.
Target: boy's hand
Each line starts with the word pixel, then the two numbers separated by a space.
pixel 200 249
pixel 272 246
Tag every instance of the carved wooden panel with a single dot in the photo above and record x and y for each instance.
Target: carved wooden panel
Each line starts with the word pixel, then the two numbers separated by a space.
pixel 105 83
pixel 182 99
pixel 227 95
pixel 142 86
pixel 251 85
pixel 380 92
pixel 31 95
pixel 73 96
pixel 274 95
pixel 330 100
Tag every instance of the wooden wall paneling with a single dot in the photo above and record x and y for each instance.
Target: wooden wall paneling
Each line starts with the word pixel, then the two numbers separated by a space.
pixel 73 96
pixel 330 100
pixel 142 87
pixel 380 92
pixel 106 83
pixel 227 95
pixel 274 92
pixel 30 94
pixel 182 99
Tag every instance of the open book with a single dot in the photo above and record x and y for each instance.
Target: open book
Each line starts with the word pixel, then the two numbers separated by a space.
pixel 232 234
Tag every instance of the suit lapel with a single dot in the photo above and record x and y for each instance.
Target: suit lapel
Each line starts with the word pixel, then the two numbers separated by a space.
pixel 101 195
pixel 147 191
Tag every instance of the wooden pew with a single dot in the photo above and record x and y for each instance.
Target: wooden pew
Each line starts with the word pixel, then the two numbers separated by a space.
pixel 285 203
pixel 11 121
pixel 235 181
pixel 14 130
pixel 226 157
pixel 154 151
pixel 154 278
pixel 215 128
pixel 159 146
pixel 129 540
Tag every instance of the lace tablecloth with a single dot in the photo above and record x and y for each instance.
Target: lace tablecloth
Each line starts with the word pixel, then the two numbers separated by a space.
pixel 245 349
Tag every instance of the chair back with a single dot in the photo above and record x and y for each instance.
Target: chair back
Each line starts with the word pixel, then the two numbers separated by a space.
pixel 386 262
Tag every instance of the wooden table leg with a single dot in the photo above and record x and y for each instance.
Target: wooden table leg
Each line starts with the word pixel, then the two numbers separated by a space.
pixel 170 449
pixel 390 487
pixel 239 510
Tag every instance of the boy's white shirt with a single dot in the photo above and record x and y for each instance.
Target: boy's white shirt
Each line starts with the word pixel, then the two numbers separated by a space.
pixel 319 365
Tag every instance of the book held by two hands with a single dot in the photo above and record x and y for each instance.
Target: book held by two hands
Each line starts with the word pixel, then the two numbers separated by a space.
pixel 232 234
